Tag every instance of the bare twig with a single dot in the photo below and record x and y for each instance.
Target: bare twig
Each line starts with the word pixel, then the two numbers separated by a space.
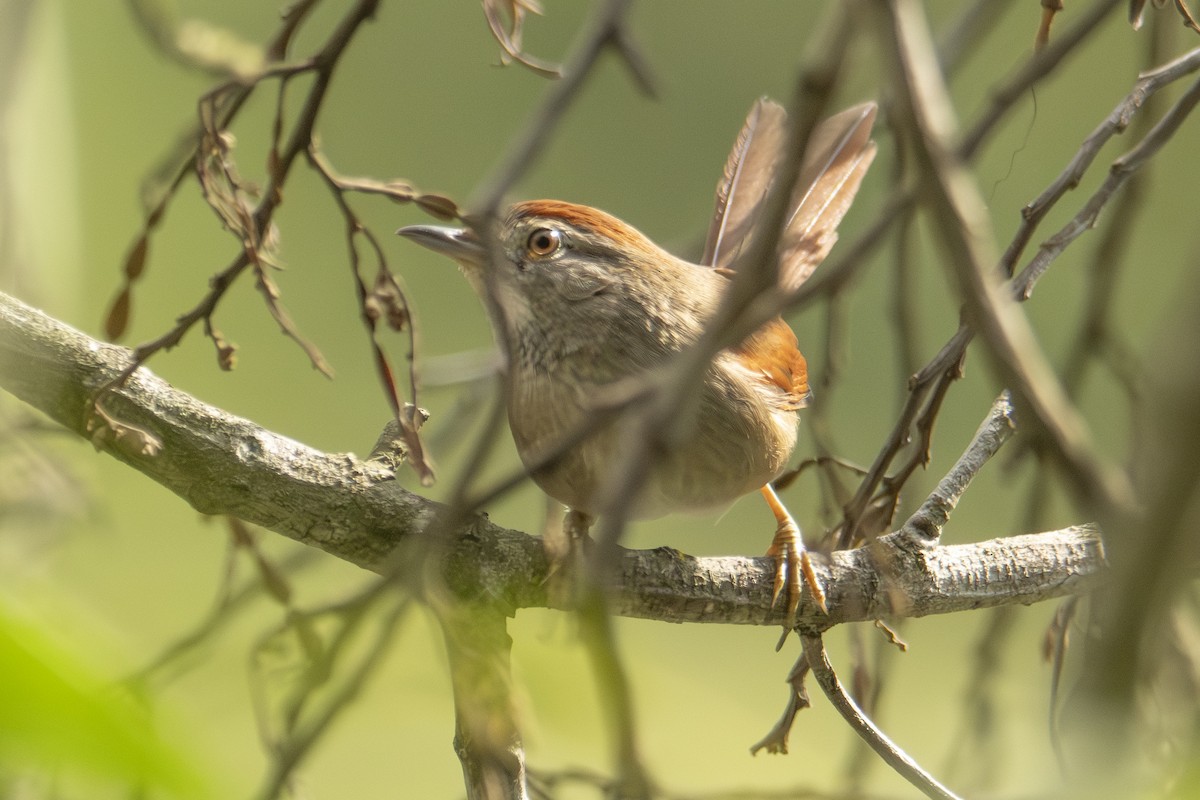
pixel 383 300
pixel 973 758
pixel 967 237
pixel 897 759
pixel 1041 64
pixel 225 610
pixel 300 738
pixel 1054 650
pixel 1116 122
pixel 612 681
pixel 1122 168
pixel 217 110
pixel 776 740
pixel 606 30
pixel 927 523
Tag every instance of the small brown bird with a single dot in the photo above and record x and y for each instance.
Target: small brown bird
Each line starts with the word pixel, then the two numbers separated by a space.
pixel 582 300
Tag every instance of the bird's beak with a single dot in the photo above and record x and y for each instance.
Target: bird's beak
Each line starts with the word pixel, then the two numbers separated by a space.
pixel 459 244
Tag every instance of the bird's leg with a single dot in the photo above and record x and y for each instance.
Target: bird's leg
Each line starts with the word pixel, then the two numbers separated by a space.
pixel 566 552
pixel 576 525
pixel 793 568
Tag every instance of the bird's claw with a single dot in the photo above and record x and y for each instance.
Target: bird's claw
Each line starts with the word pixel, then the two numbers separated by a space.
pixel 793 571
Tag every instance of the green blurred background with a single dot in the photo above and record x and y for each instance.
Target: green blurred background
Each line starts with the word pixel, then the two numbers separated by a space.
pixel 127 567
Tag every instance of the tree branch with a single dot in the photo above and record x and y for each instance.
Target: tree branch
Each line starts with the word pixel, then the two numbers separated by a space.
pixel 966 236
pixel 356 511
pixel 897 759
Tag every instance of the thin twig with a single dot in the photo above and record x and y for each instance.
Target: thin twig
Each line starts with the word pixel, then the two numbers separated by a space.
pixel 974 753
pixel 216 111
pixel 1116 122
pixel 289 752
pixel 225 610
pixel 897 759
pixel 1121 170
pixel 383 299
pixel 776 740
pixel 605 31
pixel 926 524
pixel 967 238
pixel 1058 637
pixel 613 684
pixel 1039 65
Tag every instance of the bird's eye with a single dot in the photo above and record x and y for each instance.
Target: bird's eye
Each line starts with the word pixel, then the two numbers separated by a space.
pixel 543 242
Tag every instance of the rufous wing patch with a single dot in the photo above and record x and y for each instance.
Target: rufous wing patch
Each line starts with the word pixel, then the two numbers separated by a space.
pixel 773 353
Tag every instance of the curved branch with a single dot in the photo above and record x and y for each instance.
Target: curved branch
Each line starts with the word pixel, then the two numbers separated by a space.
pixel 355 510
pixel 897 759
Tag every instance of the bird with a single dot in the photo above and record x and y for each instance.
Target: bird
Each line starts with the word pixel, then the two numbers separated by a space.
pixel 581 302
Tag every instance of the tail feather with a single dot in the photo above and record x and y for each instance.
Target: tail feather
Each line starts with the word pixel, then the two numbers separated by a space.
pixel 838 154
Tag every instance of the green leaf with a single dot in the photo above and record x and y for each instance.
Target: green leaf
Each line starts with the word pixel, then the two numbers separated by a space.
pixel 56 714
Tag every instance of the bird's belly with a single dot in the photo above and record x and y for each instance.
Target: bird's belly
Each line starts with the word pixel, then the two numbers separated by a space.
pixel 714 458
